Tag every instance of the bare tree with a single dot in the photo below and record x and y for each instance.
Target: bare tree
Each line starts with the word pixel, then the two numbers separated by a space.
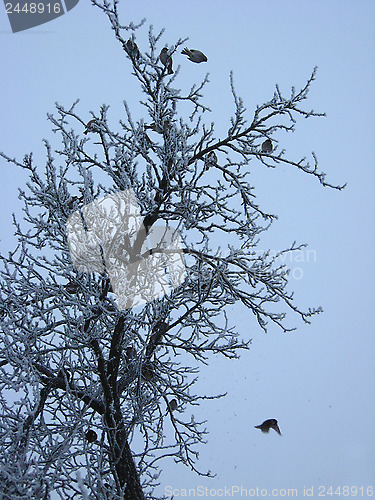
pixel 90 391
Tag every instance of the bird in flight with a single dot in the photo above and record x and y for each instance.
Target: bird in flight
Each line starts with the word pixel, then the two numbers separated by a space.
pixel 269 424
pixel 194 55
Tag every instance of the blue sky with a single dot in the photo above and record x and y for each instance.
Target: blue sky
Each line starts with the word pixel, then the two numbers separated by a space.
pixel 319 380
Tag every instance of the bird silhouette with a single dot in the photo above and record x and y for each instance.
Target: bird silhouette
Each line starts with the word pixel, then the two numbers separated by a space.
pixel 132 49
pixel 130 353
pixel 91 436
pixel 155 127
pixel 194 55
pixel 210 159
pixel 269 424
pixel 147 372
pixel 71 287
pixel 92 126
pixel 267 146
pixel 166 60
pixel 173 405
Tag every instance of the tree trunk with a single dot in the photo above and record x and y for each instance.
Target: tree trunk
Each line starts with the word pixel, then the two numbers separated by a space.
pixel 122 460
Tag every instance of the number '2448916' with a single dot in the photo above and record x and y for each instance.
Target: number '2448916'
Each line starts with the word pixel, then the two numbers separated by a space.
pixel 33 8
pixel 346 491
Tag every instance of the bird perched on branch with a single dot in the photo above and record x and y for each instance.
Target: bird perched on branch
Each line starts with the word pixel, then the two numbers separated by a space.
pixel 132 49
pixel 71 287
pixel 166 60
pixel 210 159
pixel 269 424
pixel 130 353
pixel 92 126
pixel 147 372
pixel 160 326
pixel 91 436
pixel 195 56
pixel 158 331
pixel 267 146
pixel 173 405
pixel 155 127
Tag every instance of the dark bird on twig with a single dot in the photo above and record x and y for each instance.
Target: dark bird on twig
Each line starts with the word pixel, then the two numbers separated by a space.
pixel 269 424
pixel 267 146
pixel 160 326
pixel 147 372
pixel 155 127
pixel 166 60
pixel 92 126
pixel 130 353
pixel 132 49
pixel 71 287
pixel 159 330
pixel 173 405
pixel 210 159
pixel 91 436
pixel 74 200
pixel 195 56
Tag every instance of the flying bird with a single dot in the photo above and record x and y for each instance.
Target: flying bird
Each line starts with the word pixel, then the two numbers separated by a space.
pixel 269 424
pixel 194 55
pixel 166 60
pixel 267 146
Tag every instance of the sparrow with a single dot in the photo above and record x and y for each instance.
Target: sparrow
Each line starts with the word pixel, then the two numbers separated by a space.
pixel 91 436
pixel 130 353
pixel 92 126
pixel 71 287
pixel 194 55
pixel 269 424
pixel 267 146
pixel 156 338
pixel 154 127
pixel 166 60
pixel 132 49
pixel 173 405
pixel 74 200
pixel 147 372
pixel 160 326
pixel 210 159
pixel 159 329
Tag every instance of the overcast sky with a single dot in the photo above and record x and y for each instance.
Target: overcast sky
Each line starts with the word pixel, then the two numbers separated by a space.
pixel 319 380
